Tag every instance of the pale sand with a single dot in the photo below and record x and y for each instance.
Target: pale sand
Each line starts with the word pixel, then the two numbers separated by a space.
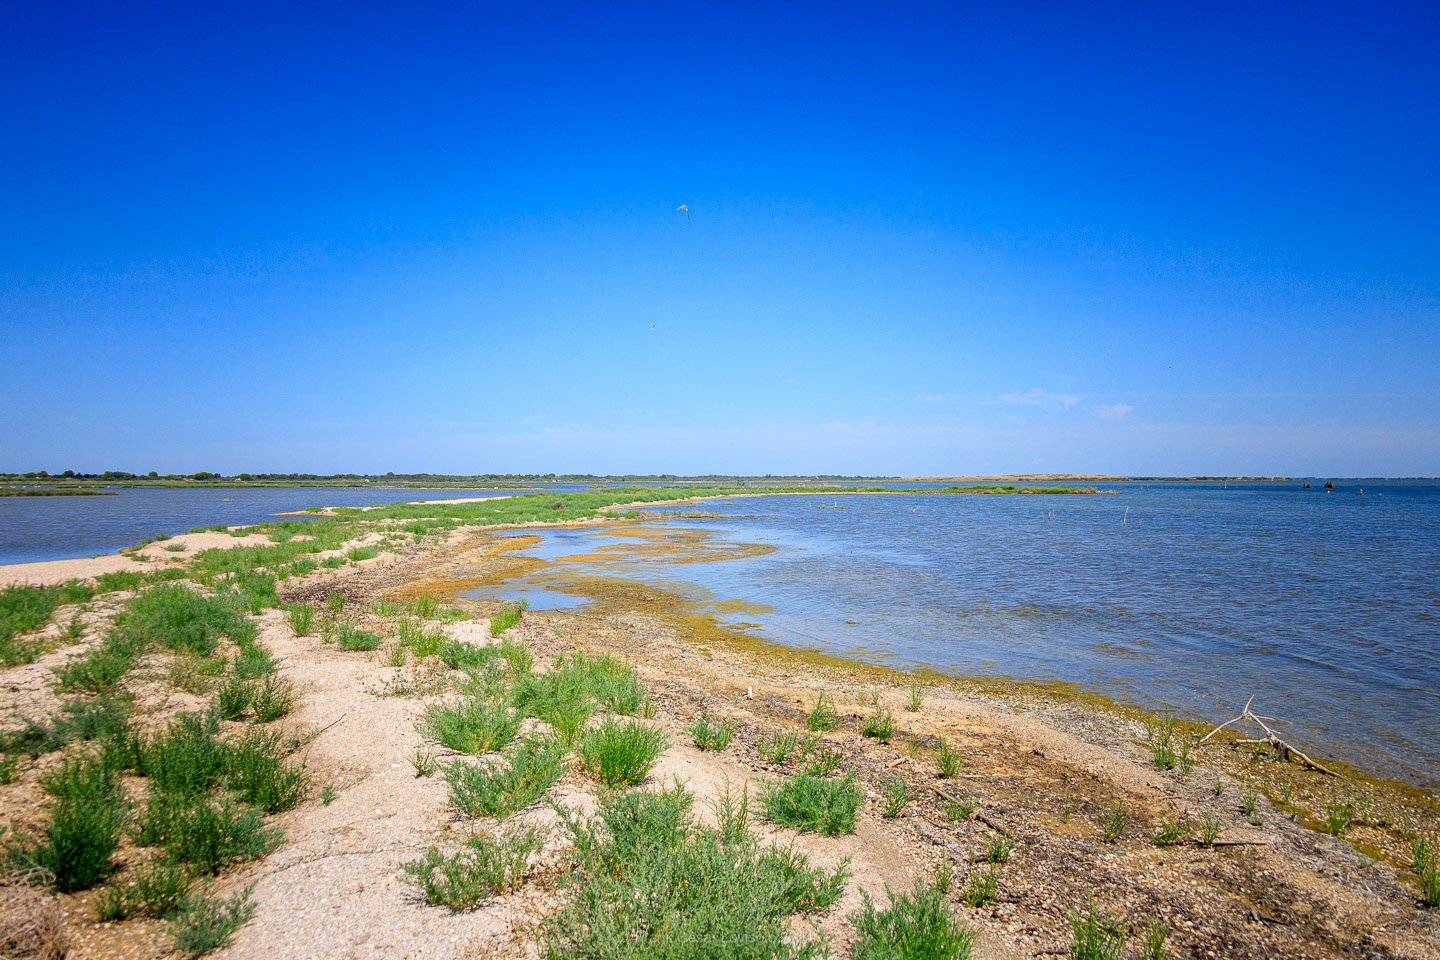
pixel 46 572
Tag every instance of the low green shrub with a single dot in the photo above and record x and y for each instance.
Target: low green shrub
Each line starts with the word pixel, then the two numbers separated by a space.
pixel 777 745
pixel 354 639
pixel 822 716
pixel 498 789
pixel 711 735
pixel 650 883
pixel 484 867
pixel 948 760
pixel 1095 935
pixel 234 697
pixel 880 725
pixel 898 795
pixel 207 833
pixel 86 816
pixel 119 580
pixel 23 609
pixel 471 725
pixel 457 654
pixel 258 772
pixel 1427 869
pixel 302 619
pixel 274 697
pixel 158 890
pixel 206 922
pixel 620 753
pixel 980 889
pixel 915 926
pixel 814 804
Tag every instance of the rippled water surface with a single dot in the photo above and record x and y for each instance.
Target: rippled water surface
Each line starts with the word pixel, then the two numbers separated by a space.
pixel 1323 605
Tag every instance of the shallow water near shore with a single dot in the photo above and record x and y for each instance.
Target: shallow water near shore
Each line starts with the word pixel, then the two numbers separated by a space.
pixel 1188 596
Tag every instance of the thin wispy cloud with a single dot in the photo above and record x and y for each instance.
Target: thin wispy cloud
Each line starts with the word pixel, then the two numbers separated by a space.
pixel 1113 411
pixel 1040 398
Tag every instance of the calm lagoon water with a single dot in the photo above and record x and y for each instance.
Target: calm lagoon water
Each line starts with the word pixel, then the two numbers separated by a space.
pixel 57 528
pixel 1183 595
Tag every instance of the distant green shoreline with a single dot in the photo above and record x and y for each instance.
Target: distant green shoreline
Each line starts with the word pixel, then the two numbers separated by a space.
pixel 202 479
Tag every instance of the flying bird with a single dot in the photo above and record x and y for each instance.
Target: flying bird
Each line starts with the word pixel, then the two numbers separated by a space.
pixel 686 208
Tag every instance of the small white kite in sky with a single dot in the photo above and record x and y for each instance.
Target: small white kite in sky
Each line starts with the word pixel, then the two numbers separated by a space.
pixel 686 208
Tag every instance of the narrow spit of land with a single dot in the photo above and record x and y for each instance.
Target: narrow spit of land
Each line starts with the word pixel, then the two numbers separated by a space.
pixel 280 727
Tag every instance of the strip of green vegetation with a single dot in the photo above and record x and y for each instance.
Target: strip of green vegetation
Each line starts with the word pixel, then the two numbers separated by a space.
pixel 578 505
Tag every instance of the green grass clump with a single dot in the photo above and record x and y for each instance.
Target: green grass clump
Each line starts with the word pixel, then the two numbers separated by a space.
pixel 1170 833
pixel 1113 821
pixel 76 591
pixel 999 848
pixel 426 606
pixel 354 639
pixel 102 667
pixel 498 789
pixel 205 832
pixel 23 609
pixel 822 717
pixel 822 762
pixel 880 725
pixel 898 795
pixel 158 890
pixel 776 746
pixel 949 760
pixel 357 554
pixel 506 616
pixel 258 772
pixel 652 883
pixel 457 654
pixel 484 867
pixel 187 758
pixel 1339 814
pixel 915 926
pixel 205 922
pixel 709 734
pixel 980 889
pixel 1095 935
pixel 814 804
pixel 273 698
pixel 622 753
pixel 1427 869
pixel 88 811
pixel 471 725
pixel 234 697
pixel 916 698
pixel 119 580
pixel 517 656
pixel 302 619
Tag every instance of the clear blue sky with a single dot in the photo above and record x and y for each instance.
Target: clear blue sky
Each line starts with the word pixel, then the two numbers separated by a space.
pixel 1161 238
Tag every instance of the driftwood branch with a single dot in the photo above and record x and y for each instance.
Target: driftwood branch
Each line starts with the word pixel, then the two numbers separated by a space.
pixel 1271 738
pixel 977 814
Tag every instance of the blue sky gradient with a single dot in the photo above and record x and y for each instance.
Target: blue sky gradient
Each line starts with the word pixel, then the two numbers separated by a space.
pixel 934 240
